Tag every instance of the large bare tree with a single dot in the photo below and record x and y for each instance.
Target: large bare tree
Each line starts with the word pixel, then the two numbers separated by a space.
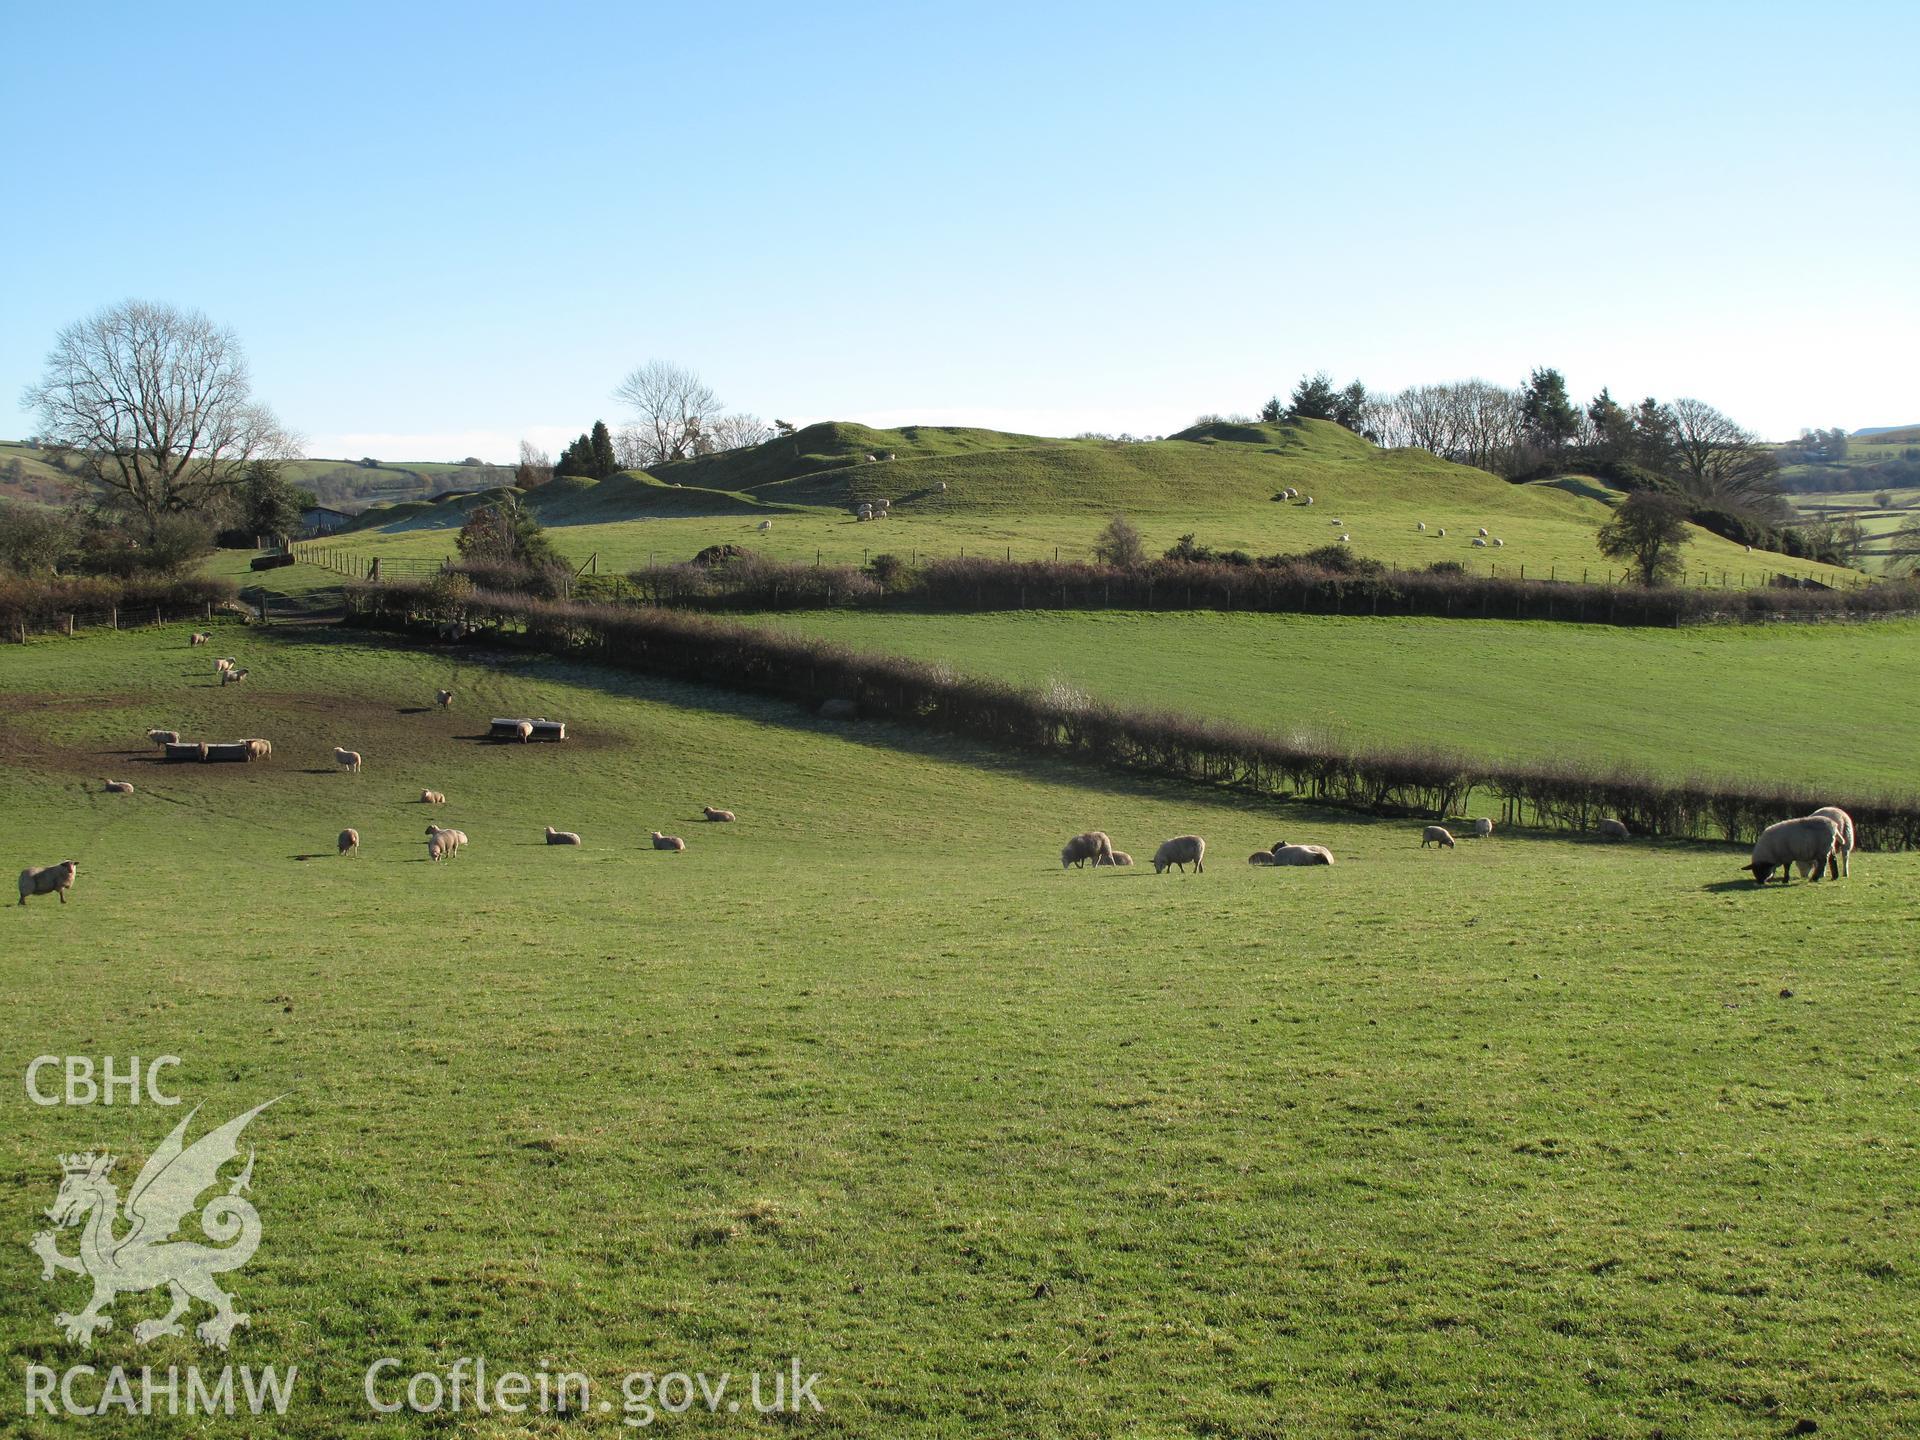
pixel 1720 460
pixel 673 409
pixel 156 406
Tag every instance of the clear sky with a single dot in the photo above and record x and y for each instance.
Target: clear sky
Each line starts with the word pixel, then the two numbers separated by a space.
pixel 438 228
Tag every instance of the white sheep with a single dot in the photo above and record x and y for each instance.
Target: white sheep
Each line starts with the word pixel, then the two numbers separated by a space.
pixel 1498 543
pixel 1484 530
pixel 524 731
pixel 1843 852
pixel 1119 858
pixel 1441 532
pixel 765 525
pixel 1285 854
pixel 1482 828
pixel 1612 829
pixel 1345 537
pixel 722 817
pixel 1261 857
pixel 221 667
pixel 668 842
pixel 1091 845
pixel 443 842
pixel 561 837
pixel 258 749
pixel 200 637
pixel 1436 835
pixel 1309 499
pixel 1421 526
pixel 1336 523
pixel 443 698
pixel 942 487
pixel 164 737
pixel 1809 841
pixel 1479 544
pixel 348 760
pixel 1182 850
pixel 349 841
pixel 118 787
pixel 432 797
pixel 232 676
pixel 48 880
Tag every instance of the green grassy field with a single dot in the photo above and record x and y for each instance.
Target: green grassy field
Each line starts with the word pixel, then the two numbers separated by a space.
pixel 1032 499
pixel 1883 553
pixel 1748 701
pixel 1533 1137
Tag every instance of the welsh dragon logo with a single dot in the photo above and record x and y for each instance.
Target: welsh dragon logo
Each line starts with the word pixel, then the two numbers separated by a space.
pixel 145 1256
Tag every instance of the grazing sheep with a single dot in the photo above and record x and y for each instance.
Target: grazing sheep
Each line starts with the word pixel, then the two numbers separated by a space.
pixel 1436 835
pixel 1088 845
pixel 1843 852
pixel 1118 857
pixel 561 837
pixel 1479 544
pixel 1809 841
pixel 164 737
pixel 1309 499
pixel 232 677
pixel 1483 530
pixel 1261 857
pixel 1612 829
pixel 942 487
pixel 1285 854
pixel 443 698
pixel 1336 523
pixel 220 667
pixel 1182 850
pixel 873 459
pixel 523 731
pixel 668 842
pixel 118 787
pixel 718 816
pixel 48 880
pixel 1482 828
pixel 1498 543
pixel 349 841
pixel 1421 526
pixel 766 525
pixel 201 637
pixel 258 749
pixel 1441 532
pixel 448 842
pixel 347 759
pixel 432 797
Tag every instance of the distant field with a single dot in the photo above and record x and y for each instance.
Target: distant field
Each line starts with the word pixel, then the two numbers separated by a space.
pixel 1883 554
pixel 1536 1137
pixel 1820 705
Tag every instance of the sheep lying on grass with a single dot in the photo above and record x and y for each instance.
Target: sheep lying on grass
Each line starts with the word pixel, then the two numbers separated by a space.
pixel 1285 854
pixel 561 837
pixel 432 797
pixel 1611 829
pixel 443 698
pixel 232 676
pixel 1843 852
pixel 1811 841
pixel 1089 845
pixel 668 842
pixel 348 760
pixel 1260 857
pixel 164 737
pixel 721 817
pixel 1118 858
pixel 349 841
pixel 48 880
pixel 1436 835
pixel 1182 850
pixel 118 787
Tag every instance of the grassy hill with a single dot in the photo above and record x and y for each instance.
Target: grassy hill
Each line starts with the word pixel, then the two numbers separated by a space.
pixel 1537 1136
pixel 1029 497
pixel 26 475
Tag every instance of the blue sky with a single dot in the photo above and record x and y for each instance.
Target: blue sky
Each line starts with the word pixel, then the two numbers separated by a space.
pixel 438 228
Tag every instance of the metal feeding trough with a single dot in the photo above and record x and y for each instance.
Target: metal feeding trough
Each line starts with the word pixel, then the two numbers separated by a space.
pixel 508 728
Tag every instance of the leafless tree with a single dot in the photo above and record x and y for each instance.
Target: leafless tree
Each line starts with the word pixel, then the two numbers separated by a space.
pixel 734 432
pixel 155 404
pixel 673 408
pixel 535 468
pixel 1721 460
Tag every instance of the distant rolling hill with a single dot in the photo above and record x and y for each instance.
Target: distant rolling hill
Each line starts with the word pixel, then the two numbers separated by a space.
pixel 1890 434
